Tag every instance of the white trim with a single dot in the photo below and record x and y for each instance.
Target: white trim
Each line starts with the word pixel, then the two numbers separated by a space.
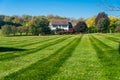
pixel 59 26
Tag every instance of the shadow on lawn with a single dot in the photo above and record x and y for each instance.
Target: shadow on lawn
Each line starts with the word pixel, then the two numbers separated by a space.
pixel 8 49
pixel 13 55
pixel 45 68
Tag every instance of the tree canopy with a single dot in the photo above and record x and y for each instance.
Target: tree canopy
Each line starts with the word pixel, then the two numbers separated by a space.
pixel 81 27
pixel 90 21
pixel 39 25
pixel 102 22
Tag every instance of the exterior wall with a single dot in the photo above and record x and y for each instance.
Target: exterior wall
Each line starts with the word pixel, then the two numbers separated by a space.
pixel 59 26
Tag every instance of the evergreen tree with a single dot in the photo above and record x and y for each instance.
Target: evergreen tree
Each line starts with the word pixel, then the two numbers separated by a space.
pixel 102 22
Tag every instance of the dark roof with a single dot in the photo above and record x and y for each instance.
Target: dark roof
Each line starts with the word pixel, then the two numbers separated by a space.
pixel 59 21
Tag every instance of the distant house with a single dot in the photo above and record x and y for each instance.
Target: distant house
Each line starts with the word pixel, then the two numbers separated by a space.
pixel 73 23
pixel 59 24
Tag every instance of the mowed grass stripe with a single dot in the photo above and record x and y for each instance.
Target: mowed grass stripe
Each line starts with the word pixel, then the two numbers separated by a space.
pixel 104 45
pixel 18 54
pixel 115 39
pixel 15 40
pixel 10 66
pixel 37 42
pixel 110 59
pixel 27 45
pixel 108 42
pixel 47 67
pixel 82 65
pixel 36 48
pixel 100 46
pixel 41 43
pixel 28 41
pixel 114 34
pixel 24 45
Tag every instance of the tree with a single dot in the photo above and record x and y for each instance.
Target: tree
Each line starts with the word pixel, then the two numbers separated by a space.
pixel 26 29
pixel 13 30
pixel 117 29
pixel 25 20
pixel 2 20
pixel 45 30
pixel 90 21
pixel 43 23
pixel 91 30
pixel 117 24
pixel 8 19
pixel 108 6
pixel 102 25
pixel 39 25
pixel 91 24
pixel 81 27
pixel 112 25
pixel 80 20
pixel 102 16
pixel 6 29
pixel 20 30
pixel 50 17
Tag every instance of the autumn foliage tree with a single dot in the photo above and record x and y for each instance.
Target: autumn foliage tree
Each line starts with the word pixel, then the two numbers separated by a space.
pixel 91 24
pixel 113 25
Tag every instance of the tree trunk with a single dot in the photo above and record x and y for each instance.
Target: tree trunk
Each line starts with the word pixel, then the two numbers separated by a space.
pixel 26 33
pixel 21 34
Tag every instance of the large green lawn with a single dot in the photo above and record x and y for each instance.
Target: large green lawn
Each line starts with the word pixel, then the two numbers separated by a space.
pixel 0 32
pixel 67 57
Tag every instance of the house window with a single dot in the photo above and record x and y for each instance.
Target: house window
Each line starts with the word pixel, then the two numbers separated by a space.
pixel 55 26
pixel 65 26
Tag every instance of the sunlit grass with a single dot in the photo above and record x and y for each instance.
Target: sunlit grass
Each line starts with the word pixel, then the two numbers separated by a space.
pixel 0 32
pixel 67 57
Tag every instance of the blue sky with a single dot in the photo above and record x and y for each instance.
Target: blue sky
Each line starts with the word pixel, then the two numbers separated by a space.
pixel 68 8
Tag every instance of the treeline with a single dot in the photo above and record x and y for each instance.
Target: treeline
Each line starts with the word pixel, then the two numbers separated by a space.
pixel 10 29
pixel 26 24
pixel 23 20
pixel 103 23
pixel 36 25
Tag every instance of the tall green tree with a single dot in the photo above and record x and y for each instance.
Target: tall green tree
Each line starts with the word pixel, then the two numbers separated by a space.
pixel 112 25
pixel 117 24
pixel 102 22
pixel 2 20
pixel 102 25
pixel 39 25
pixel 25 20
pixel 20 30
pixel 13 30
pixel 6 30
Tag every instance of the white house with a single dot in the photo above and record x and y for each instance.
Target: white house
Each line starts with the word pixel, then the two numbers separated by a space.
pixel 60 24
